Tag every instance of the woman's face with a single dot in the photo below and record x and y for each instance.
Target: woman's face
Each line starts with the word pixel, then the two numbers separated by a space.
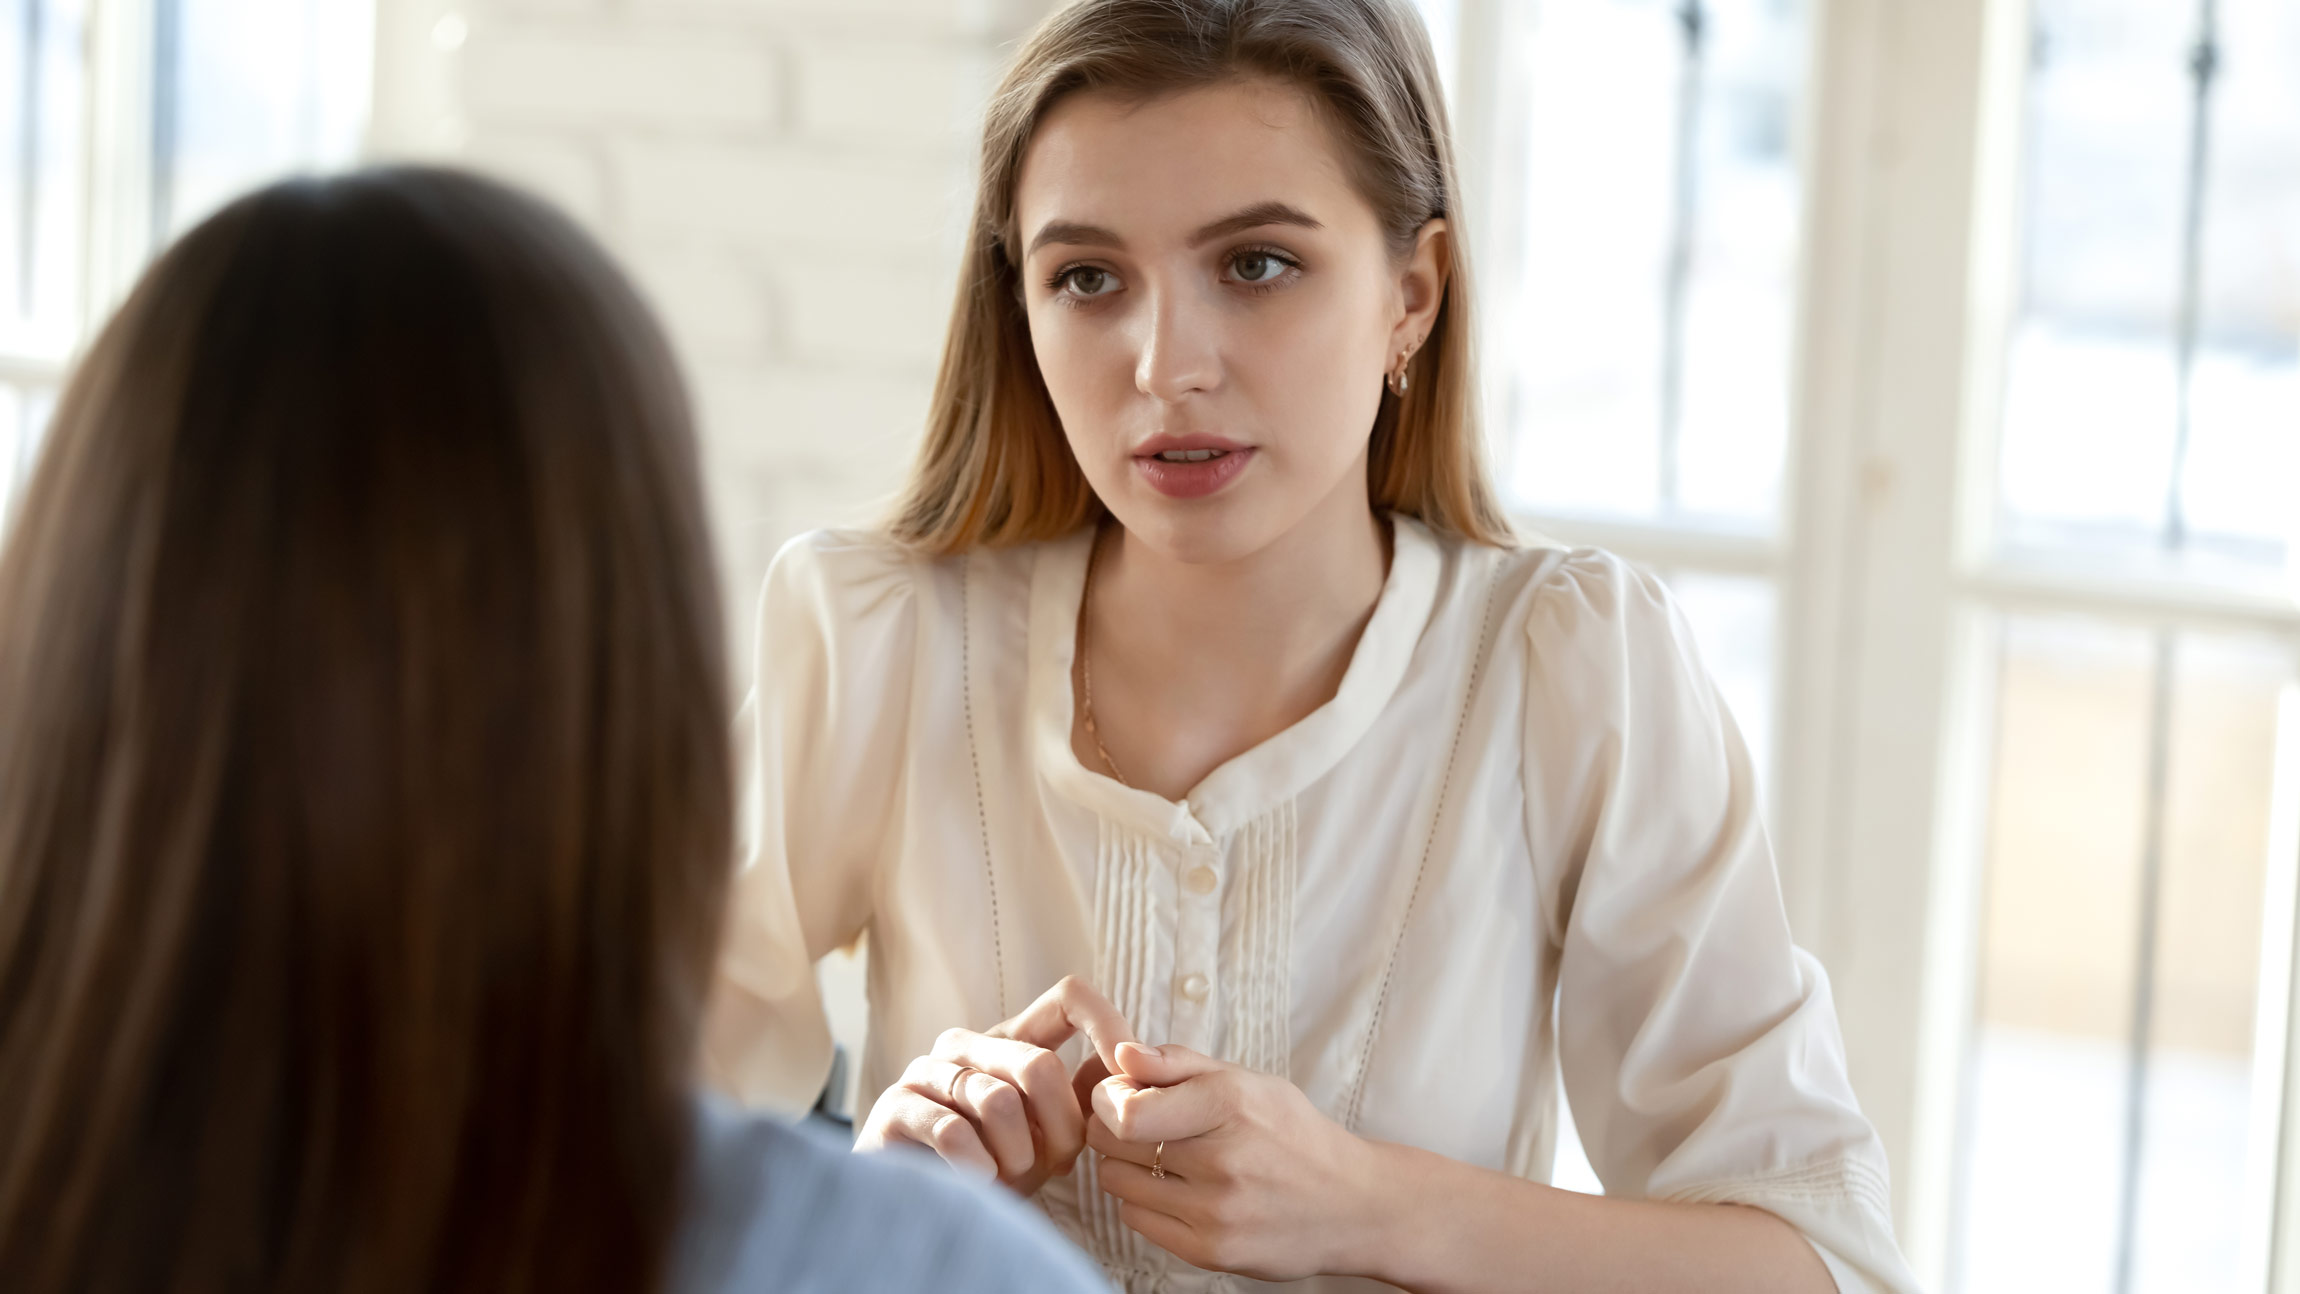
pixel 1214 308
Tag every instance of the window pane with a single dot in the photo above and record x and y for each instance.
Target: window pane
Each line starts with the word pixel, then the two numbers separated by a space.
pixel 41 172
pixel 2200 1100
pixel 2072 936
pixel 2240 481
pixel 251 89
pixel 2092 431
pixel 1641 354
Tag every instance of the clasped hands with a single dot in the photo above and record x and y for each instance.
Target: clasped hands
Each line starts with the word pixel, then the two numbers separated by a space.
pixel 1255 1179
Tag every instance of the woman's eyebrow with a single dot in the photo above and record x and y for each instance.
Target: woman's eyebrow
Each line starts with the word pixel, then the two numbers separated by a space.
pixel 1254 217
pixel 1070 233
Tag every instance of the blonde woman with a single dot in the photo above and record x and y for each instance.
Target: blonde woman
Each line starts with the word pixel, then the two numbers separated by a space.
pixel 1200 695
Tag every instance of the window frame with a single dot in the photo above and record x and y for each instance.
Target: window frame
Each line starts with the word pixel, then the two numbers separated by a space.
pixel 116 194
pixel 1883 555
pixel 120 204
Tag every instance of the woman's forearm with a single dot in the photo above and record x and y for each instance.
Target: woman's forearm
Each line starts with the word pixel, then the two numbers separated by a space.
pixel 1446 1227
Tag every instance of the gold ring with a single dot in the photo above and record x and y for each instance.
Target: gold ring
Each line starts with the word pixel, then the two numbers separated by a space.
pixel 959 1078
pixel 1157 1169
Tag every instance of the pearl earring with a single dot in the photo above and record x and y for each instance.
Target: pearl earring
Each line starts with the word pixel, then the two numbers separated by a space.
pixel 1399 379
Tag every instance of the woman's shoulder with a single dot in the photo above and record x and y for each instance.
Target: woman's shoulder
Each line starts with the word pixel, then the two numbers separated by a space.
pixel 1583 615
pixel 1568 585
pixel 844 558
pixel 775 1206
pixel 849 573
pixel 1552 590
pixel 842 587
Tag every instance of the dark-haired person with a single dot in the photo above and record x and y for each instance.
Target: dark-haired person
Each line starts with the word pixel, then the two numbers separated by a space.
pixel 1201 677
pixel 365 798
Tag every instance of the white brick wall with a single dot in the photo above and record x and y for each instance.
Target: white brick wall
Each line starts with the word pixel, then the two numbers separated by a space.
pixel 571 75
pixel 788 181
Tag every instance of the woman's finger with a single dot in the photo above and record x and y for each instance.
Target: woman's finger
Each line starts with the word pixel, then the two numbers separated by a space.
pixel 1184 1160
pixel 1102 1141
pixel 1072 1006
pixel 994 1107
pixel 904 1115
pixel 1090 1072
pixel 1050 1107
pixel 1134 1184
pixel 1164 1066
pixel 1191 1108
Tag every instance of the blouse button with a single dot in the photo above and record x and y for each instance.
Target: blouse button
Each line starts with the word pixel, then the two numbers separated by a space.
pixel 1201 880
pixel 1194 987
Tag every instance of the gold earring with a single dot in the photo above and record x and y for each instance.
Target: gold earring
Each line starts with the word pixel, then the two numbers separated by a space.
pixel 1399 379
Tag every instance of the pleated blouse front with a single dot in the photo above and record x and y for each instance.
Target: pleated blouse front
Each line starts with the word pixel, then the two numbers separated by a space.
pixel 1523 837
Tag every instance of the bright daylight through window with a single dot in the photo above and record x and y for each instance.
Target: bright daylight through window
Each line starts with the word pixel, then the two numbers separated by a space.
pixel 1639 344
pixel 2138 893
pixel 43 133
pixel 134 120
pixel 2129 543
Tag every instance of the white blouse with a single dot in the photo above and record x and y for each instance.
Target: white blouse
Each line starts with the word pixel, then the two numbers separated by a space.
pixel 1522 838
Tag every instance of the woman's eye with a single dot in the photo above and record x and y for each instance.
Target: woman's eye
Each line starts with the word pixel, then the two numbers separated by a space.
pixel 1087 281
pixel 1257 267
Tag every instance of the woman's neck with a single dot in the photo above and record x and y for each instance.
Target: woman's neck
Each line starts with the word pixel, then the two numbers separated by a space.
pixel 1194 664
pixel 1314 583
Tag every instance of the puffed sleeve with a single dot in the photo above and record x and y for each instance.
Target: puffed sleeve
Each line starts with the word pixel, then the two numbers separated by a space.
pixel 1699 1045
pixel 822 736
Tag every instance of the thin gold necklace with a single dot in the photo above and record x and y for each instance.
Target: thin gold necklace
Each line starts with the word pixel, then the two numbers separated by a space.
pixel 1086 661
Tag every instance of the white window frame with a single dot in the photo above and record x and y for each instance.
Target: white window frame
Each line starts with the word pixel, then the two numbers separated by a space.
pixel 116 185
pixel 119 110
pixel 1883 561
pixel 120 233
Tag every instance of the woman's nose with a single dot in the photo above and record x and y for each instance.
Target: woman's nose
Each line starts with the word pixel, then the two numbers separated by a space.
pixel 1180 353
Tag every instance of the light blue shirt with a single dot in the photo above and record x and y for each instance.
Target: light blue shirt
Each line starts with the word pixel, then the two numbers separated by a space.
pixel 788 1209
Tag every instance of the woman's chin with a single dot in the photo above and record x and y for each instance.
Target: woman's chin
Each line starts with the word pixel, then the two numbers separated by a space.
pixel 1215 531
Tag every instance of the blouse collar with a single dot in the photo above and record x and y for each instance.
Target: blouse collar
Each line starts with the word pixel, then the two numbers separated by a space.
pixel 1262 778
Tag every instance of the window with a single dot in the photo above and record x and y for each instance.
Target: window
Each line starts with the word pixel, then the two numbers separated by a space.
pixel 249 89
pixel 2150 432
pixel 42 156
pixel 1643 325
pixel 1945 359
pixel 1640 332
pixel 120 125
pixel 2128 857
pixel 2153 376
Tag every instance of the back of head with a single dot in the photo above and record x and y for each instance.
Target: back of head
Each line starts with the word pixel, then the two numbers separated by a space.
pixel 364 789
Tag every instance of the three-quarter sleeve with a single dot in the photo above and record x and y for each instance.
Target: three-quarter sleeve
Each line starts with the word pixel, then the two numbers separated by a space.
pixel 1700 1049
pixel 822 736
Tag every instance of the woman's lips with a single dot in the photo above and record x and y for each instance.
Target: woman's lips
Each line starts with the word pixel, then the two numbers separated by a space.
pixel 1192 480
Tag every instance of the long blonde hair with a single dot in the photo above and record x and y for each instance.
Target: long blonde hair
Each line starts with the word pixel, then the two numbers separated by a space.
pixel 995 469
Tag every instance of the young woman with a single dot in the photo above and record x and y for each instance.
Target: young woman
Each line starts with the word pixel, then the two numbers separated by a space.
pixel 365 798
pixel 1201 679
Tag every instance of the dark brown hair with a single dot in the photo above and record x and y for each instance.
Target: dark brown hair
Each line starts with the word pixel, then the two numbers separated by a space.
pixel 364 784
pixel 994 468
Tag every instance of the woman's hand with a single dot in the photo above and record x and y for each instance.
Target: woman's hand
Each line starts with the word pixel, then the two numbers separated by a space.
pixel 1257 1180
pixel 1002 1104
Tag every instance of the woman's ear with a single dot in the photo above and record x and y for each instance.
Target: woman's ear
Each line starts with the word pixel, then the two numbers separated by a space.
pixel 1422 284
